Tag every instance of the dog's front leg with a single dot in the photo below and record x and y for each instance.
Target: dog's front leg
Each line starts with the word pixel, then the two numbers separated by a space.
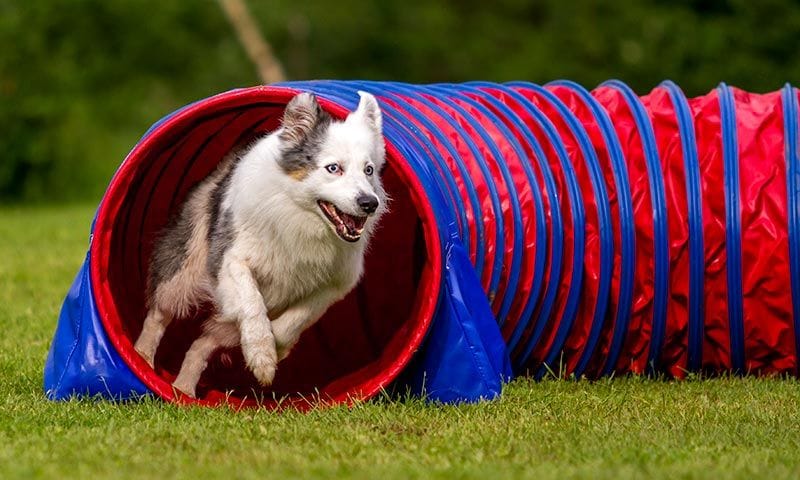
pixel 239 299
pixel 288 327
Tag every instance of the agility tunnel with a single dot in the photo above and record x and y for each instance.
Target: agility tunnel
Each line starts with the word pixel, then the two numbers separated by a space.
pixel 533 230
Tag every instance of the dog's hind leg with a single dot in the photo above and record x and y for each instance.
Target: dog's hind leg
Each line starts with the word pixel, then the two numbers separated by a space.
pixel 239 298
pixel 216 335
pixel 152 331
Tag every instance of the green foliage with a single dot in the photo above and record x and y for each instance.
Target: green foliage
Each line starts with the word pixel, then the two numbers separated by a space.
pixel 81 80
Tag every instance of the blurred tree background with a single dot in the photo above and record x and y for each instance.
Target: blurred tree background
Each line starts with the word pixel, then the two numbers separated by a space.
pixel 81 80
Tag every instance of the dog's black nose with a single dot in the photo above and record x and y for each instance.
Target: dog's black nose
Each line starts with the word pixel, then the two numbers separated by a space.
pixel 368 203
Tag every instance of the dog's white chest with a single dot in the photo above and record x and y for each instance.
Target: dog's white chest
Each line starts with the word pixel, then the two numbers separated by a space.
pixel 287 272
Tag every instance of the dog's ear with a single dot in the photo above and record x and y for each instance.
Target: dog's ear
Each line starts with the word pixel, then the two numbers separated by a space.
pixel 369 110
pixel 302 116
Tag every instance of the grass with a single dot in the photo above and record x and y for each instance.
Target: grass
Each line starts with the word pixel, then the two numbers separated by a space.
pixel 622 428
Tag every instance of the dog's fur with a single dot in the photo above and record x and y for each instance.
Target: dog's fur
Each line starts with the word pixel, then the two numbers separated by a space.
pixel 272 238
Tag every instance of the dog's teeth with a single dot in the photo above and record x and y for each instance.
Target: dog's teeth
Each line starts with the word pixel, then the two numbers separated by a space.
pixel 348 227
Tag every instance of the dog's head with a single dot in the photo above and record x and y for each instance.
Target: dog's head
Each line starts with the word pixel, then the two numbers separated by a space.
pixel 335 165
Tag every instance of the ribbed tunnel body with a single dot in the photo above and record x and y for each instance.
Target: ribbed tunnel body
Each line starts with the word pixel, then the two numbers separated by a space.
pixel 607 233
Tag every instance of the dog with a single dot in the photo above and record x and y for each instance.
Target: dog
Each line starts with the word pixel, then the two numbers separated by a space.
pixel 272 238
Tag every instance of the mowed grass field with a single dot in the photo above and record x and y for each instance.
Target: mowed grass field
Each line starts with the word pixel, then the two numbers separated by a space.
pixel 621 428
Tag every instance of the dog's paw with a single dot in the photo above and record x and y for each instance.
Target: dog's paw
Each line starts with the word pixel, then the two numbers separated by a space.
pixel 263 368
pixel 186 388
pixel 148 357
pixel 264 371
pixel 262 359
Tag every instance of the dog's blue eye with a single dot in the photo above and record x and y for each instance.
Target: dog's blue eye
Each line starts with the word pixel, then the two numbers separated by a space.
pixel 332 168
pixel 369 170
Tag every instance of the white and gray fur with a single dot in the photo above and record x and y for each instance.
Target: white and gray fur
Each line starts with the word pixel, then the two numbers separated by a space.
pixel 253 239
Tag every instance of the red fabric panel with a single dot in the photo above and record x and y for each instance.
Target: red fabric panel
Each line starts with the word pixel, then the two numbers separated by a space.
pixel 675 354
pixel 480 183
pixel 539 352
pixel 527 209
pixel 452 170
pixel 466 129
pixel 716 346
pixel 578 107
pixel 767 298
pixel 637 342
pixel 591 260
pixel 509 101
pixel 521 191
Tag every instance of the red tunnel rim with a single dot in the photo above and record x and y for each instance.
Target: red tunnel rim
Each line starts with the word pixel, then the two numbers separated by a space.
pixel 424 304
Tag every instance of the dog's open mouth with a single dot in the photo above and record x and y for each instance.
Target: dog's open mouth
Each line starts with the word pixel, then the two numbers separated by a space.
pixel 349 227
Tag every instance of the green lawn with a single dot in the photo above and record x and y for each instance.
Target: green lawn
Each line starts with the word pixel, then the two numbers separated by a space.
pixel 624 428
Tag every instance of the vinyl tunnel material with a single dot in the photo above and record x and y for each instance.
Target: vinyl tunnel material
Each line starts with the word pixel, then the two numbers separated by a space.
pixel 533 230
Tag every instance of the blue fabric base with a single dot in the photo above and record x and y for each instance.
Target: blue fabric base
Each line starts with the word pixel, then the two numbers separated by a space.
pixel 463 359
pixel 82 361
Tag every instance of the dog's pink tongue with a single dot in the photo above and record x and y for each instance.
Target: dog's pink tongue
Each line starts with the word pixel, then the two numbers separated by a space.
pixel 353 223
